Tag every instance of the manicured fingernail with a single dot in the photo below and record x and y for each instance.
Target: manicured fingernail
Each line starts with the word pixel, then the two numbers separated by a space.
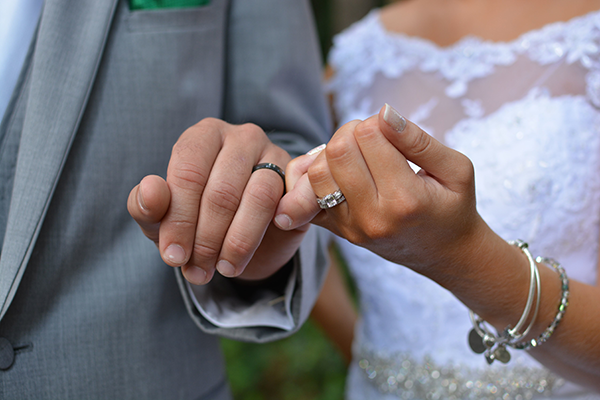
pixel 226 269
pixel 195 275
pixel 283 221
pixel 393 118
pixel 316 150
pixel 140 198
pixel 175 254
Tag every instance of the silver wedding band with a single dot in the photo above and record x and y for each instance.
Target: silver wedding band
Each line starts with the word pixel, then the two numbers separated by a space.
pixel 272 167
pixel 331 200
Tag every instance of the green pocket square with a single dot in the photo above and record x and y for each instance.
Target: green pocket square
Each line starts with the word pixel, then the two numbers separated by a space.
pixel 154 4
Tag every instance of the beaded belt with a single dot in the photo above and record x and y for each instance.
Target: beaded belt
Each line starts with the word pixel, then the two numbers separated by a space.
pixel 400 375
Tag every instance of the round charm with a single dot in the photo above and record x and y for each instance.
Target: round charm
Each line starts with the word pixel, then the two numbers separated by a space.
pixel 502 355
pixel 476 342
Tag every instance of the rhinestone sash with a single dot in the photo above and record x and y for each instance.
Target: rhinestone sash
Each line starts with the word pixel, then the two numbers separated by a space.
pixel 401 375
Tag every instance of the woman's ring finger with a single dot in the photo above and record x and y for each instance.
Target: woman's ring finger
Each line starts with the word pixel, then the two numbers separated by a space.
pixel 331 200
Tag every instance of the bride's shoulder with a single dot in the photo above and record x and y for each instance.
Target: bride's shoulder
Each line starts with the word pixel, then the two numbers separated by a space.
pixel 403 17
pixel 417 18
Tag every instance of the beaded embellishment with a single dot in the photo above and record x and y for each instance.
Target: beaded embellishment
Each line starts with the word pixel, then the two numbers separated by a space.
pixel 402 376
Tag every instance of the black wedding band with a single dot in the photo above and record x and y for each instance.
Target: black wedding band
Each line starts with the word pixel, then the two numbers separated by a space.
pixel 272 167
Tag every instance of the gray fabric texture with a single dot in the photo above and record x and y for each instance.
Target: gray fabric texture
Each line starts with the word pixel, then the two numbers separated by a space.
pixel 110 91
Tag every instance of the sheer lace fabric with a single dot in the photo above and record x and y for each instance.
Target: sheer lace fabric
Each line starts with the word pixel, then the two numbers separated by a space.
pixel 527 114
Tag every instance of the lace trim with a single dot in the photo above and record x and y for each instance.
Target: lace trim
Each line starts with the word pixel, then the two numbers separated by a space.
pixel 400 375
pixel 526 156
pixel 367 48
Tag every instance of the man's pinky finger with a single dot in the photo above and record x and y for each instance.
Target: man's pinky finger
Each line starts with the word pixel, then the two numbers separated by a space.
pixel 298 207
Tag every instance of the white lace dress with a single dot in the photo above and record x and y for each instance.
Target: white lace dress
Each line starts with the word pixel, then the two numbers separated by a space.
pixel 527 113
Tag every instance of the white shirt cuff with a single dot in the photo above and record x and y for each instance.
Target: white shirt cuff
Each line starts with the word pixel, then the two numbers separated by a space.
pixel 225 310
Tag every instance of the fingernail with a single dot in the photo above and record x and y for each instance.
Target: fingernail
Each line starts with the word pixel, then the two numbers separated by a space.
pixel 226 269
pixel 175 254
pixel 195 275
pixel 140 198
pixel 316 150
pixel 393 118
pixel 283 221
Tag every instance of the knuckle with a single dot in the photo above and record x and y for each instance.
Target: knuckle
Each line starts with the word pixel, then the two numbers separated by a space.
pixel 376 230
pixel 401 210
pixel 263 196
pixel 373 227
pixel 251 131
pixel 465 172
pixel 180 222
pixel 294 164
pixel 420 143
pixel 184 173
pixel 280 154
pixel 240 244
pixel 318 171
pixel 186 146
pixel 302 208
pixel 410 205
pixel 354 236
pixel 193 139
pixel 338 147
pixel 366 129
pixel 205 125
pixel 211 122
pixel 225 196
pixel 205 250
pixel 308 203
pixel 406 209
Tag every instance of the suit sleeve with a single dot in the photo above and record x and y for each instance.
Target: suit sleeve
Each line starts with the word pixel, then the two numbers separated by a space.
pixel 273 79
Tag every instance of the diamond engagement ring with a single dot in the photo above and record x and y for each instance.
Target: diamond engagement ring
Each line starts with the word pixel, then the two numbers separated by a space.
pixel 331 200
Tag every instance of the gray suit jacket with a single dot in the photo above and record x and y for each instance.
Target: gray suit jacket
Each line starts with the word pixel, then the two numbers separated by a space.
pixel 83 293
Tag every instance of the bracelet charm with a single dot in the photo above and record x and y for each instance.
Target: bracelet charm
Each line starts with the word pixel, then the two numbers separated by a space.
pixel 483 340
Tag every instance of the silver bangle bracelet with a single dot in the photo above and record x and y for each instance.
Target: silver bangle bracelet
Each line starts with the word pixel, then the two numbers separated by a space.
pixel 483 340
pixel 562 306
pixel 534 283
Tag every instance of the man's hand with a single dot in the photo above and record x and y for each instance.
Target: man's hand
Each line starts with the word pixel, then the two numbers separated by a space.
pixel 212 212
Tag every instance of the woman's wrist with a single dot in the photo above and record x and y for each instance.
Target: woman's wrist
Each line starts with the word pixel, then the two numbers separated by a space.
pixel 488 275
pixel 492 278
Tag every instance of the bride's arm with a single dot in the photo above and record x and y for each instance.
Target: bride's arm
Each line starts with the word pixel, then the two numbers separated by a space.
pixel 429 223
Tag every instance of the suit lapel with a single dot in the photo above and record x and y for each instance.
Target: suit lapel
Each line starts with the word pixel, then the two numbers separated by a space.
pixel 69 47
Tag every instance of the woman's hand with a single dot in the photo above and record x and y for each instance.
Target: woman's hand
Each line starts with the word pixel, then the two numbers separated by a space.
pixel 419 219
pixel 428 222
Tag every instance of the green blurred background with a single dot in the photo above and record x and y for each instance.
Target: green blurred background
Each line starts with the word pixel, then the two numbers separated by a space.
pixel 306 365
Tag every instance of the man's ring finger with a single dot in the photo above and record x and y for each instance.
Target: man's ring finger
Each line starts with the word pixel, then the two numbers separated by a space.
pixel 272 167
